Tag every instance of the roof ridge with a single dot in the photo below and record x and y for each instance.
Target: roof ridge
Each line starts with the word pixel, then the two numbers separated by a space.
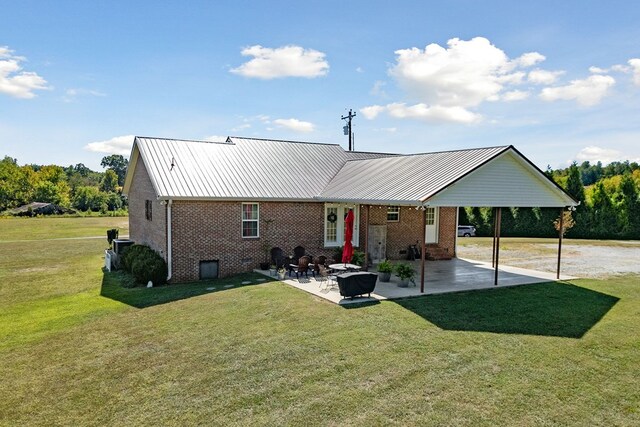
pixel 458 151
pixel 183 139
pixel 284 140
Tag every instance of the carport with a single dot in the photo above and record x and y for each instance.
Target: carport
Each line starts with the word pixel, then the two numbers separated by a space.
pixel 495 177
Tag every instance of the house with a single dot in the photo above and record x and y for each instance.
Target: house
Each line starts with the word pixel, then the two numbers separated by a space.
pixel 40 208
pixel 215 209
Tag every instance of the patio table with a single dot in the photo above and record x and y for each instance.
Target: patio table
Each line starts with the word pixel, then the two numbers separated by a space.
pixel 344 267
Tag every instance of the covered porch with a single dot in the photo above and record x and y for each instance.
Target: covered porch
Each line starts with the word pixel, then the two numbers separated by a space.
pixel 455 275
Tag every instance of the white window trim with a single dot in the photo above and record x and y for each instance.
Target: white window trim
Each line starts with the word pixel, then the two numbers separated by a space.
pixel 393 212
pixel 342 210
pixel 242 221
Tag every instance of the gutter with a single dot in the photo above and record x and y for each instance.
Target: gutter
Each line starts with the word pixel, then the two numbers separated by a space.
pixel 169 251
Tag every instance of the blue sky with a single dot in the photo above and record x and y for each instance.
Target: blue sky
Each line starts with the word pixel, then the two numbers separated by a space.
pixel 558 80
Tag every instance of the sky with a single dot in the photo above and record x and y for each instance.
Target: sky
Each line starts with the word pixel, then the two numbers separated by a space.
pixel 558 80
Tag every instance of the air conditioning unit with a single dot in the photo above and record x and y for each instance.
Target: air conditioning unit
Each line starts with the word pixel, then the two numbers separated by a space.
pixel 119 245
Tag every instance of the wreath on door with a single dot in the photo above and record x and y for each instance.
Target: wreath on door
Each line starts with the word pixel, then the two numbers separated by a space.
pixel 332 217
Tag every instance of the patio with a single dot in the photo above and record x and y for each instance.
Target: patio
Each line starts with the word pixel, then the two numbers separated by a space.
pixel 455 275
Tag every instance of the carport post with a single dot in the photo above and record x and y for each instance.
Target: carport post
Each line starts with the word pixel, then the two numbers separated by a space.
pixel 497 251
pixel 560 233
pixel 495 233
pixel 424 248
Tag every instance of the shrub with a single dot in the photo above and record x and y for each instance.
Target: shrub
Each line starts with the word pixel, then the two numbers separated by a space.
pixel 131 253
pixel 385 267
pixel 150 268
pixel 357 258
pixel 405 271
pixel 145 264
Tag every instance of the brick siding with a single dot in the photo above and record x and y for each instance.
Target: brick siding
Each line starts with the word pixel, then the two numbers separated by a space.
pixel 141 230
pixel 408 230
pixel 204 231
pixel 212 230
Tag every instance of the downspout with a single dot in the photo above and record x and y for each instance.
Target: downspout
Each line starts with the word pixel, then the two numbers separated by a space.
pixel 169 254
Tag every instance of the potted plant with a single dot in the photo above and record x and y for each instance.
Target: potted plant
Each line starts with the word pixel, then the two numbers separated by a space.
pixel 405 273
pixel 357 258
pixel 281 273
pixel 384 271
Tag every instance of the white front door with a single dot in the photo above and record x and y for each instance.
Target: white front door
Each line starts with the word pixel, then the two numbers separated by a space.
pixel 431 229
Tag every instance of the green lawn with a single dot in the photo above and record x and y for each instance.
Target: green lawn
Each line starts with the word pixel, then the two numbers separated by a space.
pixel 77 349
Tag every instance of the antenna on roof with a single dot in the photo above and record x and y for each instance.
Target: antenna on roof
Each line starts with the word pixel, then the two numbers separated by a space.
pixel 173 163
pixel 347 128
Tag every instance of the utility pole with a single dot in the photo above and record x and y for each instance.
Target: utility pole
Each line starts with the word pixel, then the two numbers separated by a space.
pixel 347 128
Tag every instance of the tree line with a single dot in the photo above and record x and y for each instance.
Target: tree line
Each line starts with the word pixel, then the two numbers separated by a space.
pixel 75 186
pixel 609 205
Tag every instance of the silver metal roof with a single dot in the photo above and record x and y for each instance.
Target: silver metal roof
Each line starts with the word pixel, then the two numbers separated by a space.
pixel 260 169
pixel 241 168
pixel 404 179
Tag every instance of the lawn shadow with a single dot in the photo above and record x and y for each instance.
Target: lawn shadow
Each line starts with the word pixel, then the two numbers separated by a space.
pixel 141 297
pixel 549 309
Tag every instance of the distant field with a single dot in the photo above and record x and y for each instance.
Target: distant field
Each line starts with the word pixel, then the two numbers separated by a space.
pixel 64 227
pixel 580 258
pixel 78 349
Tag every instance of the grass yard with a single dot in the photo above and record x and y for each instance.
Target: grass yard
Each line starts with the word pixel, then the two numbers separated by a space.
pixel 77 349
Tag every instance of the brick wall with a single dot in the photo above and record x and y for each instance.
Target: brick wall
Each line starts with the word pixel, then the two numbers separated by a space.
pixel 204 231
pixel 141 230
pixel 408 230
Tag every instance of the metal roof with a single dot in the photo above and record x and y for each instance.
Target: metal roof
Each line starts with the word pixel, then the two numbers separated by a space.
pixel 404 179
pixel 241 168
pixel 262 169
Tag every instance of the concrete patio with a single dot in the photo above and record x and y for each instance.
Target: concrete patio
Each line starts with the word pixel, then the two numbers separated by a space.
pixel 454 275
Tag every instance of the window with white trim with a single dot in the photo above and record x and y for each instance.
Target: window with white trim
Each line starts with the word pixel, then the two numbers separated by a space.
pixel 250 220
pixel 334 224
pixel 430 216
pixel 393 213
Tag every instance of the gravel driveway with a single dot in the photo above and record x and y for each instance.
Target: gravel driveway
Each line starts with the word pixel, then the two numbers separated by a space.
pixel 595 260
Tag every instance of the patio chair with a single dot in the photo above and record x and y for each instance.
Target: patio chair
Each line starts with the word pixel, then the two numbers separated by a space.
pixel 302 268
pixel 317 262
pixel 277 257
pixel 326 278
pixel 298 252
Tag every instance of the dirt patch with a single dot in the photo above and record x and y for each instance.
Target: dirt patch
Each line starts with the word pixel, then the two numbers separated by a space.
pixel 580 260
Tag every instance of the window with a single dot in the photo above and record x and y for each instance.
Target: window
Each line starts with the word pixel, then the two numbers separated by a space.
pixel 430 216
pixel 393 213
pixel 147 209
pixel 250 214
pixel 334 224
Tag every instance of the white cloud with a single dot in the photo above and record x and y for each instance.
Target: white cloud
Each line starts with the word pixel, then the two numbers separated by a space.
pixel 359 70
pixel 529 59
pixel 586 92
pixel 372 111
pixel 286 61
pixel 435 113
pixel 15 82
pixel 465 74
pixel 295 125
pixel 595 154
pixel 620 68
pixel 515 95
pixel 116 145
pixel 72 94
pixel 635 65
pixel 543 77
pixel 378 89
pixel 598 70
